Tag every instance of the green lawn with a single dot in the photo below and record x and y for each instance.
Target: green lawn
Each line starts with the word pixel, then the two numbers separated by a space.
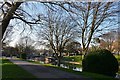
pixel 72 58
pixel 11 71
pixel 118 57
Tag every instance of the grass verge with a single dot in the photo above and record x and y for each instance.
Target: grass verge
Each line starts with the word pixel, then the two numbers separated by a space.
pixel 11 71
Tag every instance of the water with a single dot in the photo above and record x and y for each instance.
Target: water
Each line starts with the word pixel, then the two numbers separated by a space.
pixel 80 69
pixel 71 67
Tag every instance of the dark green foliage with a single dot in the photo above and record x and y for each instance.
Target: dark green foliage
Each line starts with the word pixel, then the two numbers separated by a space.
pixel 100 61
pixel 23 56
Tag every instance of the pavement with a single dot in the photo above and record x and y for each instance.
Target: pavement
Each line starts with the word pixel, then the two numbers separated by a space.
pixel 41 71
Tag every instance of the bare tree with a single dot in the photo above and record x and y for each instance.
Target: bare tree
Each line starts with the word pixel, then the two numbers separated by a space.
pixel 57 31
pixel 108 40
pixel 25 46
pixel 8 14
pixel 73 47
pixel 15 10
pixel 92 17
pixel 116 43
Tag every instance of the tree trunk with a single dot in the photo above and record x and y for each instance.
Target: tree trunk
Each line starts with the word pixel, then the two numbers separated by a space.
pixel 8 16
pixel 85 53
pixel 58 62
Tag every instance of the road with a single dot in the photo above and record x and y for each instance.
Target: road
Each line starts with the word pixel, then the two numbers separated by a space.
pixel 41 71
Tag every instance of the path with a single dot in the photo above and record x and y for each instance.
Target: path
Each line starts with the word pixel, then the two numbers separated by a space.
pixel 45 72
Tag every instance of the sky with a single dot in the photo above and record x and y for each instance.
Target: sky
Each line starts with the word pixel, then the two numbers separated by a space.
pixel 32 9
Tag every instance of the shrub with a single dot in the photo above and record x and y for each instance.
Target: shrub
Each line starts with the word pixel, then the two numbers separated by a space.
pixel 101 62
pixel 23 56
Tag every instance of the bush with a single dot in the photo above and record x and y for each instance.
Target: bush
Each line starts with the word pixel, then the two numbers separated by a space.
pixel 23 56
pixel 101 62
